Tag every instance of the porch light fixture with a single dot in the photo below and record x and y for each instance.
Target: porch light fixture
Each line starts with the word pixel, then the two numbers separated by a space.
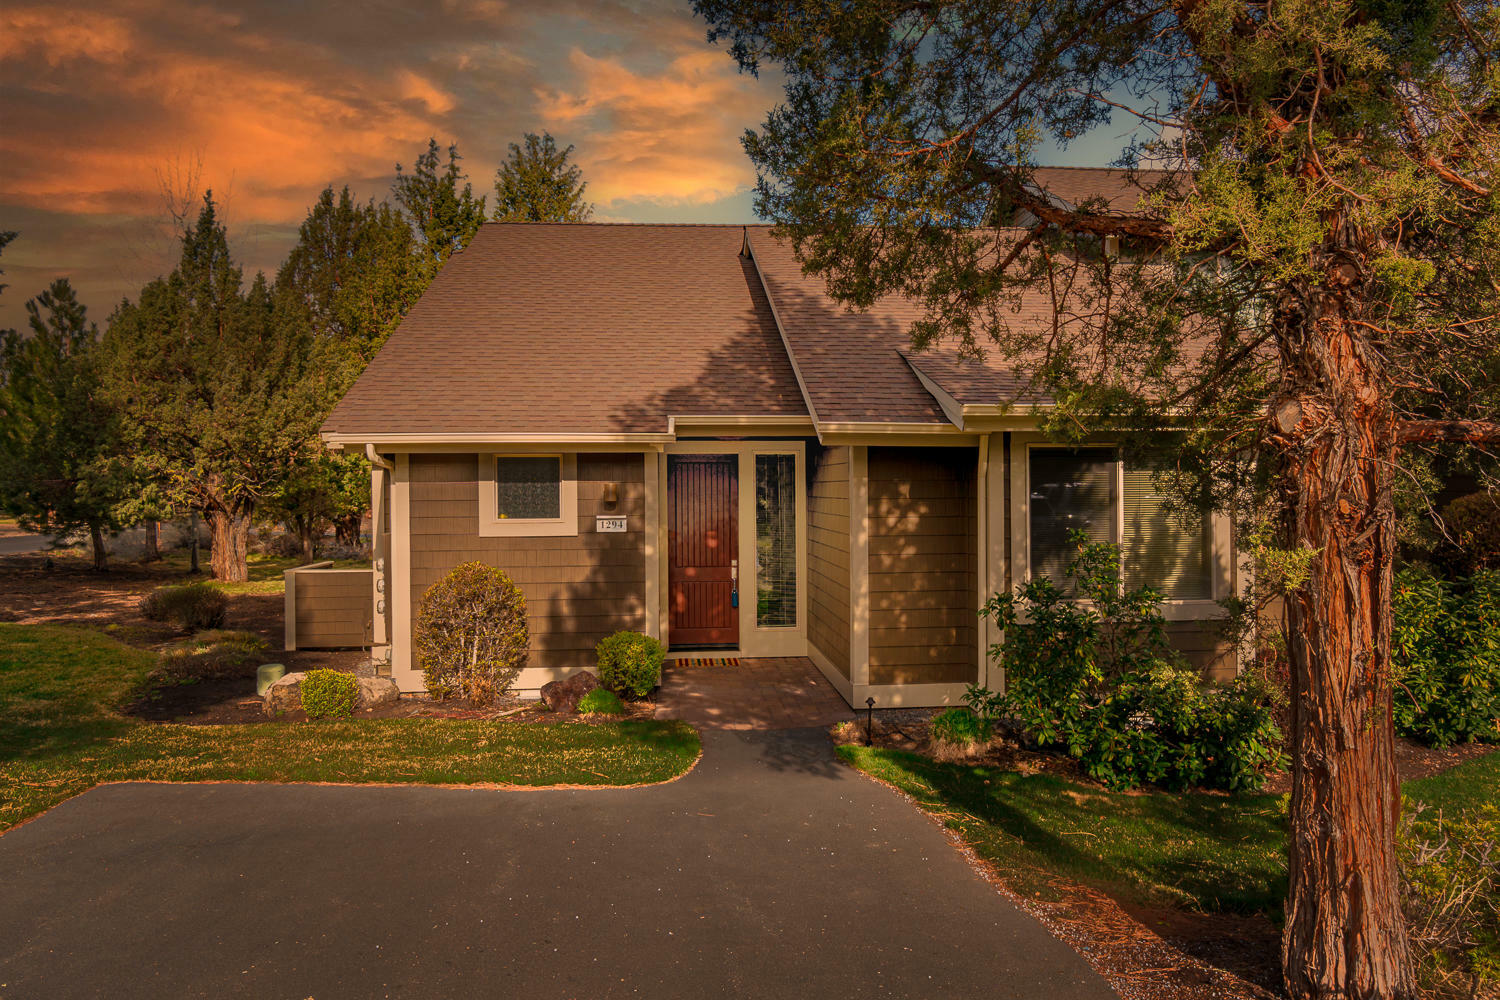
pixel 869 720
pixel 611 495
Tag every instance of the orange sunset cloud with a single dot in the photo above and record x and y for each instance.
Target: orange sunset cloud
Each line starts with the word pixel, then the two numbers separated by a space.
pixel 276 100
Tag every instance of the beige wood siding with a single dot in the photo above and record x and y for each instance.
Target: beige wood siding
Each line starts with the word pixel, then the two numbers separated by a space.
pixel 333 608
pixel 1205 648
pixel 828 555
pixel 924 626
pixel 579 588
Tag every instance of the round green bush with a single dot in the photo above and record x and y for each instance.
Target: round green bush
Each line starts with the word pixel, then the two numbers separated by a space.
pixel 1473 522
pixel 191 606
pixel 630 663
pixel 600 701
pixel 959 727
pixel 329 694
pixel 470 636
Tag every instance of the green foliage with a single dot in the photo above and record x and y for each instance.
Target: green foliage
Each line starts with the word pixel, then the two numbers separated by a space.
pixel 630 663
pixel 209 656
pixel 444 217
pixel 57 441
pixel 1450 890
pixel 600 701
pixel 537 184
pixel 470 637
pixel 1473 522
pixel 216 400
pixel 1445 652
pixel 190 606
pixel 329 694
pixel 1098 679
pixel 960 727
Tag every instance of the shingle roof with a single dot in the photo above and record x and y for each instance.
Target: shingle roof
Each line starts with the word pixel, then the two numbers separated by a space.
pixel 579 329
pixel 973 381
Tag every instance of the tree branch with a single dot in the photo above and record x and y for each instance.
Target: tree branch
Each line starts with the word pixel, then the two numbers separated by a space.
pixel 1436 431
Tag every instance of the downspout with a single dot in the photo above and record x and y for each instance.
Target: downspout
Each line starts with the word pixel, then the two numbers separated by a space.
pixel 377 460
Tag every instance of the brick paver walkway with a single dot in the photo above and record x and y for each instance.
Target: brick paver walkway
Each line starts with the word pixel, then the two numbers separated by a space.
pixel 765 693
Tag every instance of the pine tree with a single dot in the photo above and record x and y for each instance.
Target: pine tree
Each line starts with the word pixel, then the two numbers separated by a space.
pixel 444 216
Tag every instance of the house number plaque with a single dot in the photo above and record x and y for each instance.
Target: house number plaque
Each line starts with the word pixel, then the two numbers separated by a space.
pixel 616 524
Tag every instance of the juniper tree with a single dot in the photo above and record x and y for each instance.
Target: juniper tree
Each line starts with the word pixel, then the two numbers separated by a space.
pixel 216 401
pixel 56 439
pixel 537 184
pixel 1309 287
pixel 444 216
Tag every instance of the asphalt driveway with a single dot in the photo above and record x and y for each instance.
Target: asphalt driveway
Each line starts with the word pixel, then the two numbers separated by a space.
pixel 771 870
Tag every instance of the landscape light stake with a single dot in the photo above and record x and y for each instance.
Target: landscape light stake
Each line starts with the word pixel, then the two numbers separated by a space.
pixel 869 720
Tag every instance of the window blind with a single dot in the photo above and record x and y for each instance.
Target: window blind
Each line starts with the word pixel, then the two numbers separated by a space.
pixel 529 488
pixel 1163 548
pixel 775 540
pixel 1070 490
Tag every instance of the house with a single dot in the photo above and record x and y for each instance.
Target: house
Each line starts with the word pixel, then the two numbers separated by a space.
pixel 670 429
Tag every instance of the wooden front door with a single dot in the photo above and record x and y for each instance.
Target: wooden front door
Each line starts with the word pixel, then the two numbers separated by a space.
pixel 702 550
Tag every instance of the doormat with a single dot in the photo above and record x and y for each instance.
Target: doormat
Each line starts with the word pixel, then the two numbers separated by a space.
pixel 705 661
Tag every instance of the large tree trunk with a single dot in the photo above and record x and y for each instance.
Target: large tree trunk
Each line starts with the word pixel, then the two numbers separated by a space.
pixel 150 550
pixel 230 547
pixel 101 554
pixel 1345 936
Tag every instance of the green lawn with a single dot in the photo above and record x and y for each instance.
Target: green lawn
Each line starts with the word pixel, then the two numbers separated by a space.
pixel 1193 851
pixel 60 735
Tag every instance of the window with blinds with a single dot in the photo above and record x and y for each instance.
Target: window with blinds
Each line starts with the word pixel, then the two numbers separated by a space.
pixel 1071 490
pixel 1165 549
pixel 775 540
pixel 528 487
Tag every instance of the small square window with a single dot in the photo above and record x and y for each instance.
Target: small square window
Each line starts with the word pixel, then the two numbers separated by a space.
pixel 528 488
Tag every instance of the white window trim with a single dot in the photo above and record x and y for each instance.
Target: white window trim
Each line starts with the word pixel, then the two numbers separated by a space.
pixel 491 525
pixel 1220 543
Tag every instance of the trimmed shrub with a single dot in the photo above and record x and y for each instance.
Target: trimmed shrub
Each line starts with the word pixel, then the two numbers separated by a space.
pixel 329 694
pixel 1445 653
pixel 191 606
pixel 600 701
pixel 1101 682
pixel 630 663
pixel 470 636
pixel 1450 894
pixel 1473 521
pixel 959 727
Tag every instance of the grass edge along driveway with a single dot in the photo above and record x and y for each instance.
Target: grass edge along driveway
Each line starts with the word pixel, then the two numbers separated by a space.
pixel 60 735
pixel 1185 850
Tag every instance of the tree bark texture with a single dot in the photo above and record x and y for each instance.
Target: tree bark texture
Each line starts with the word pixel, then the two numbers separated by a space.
pixel 151 550
pixel 231 544
pixel 1345 936
pixel 101 554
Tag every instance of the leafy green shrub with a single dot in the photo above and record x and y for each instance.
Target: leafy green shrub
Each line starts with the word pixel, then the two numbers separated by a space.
pixel 630 663
pixel 600 701
pixel 959 727
pixel 1445 652
pixel 470 635
pixel 1100 681
pixel 329 694
pixel 1450 893
pixel 191 606
pixel 1473 523
pixel 207 656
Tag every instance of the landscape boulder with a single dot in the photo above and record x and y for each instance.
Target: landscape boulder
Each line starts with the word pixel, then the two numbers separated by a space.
pixel 563 696
pixel 286 694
